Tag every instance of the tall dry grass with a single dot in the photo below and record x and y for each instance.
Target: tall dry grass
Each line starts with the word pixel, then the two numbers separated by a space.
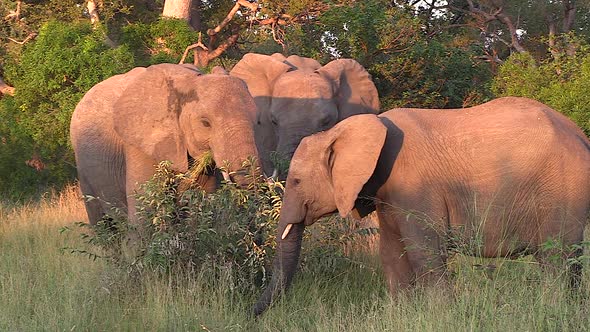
pixel 43 288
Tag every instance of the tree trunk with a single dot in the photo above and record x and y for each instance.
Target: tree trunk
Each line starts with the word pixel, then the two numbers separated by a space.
pixel 178 9
pixel 552 37
pixel 195 21
pixel 93 12
pixel 569 17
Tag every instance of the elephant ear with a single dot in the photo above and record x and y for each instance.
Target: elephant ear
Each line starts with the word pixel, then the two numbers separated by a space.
pixel 146 116
pixel 354 90
pixel 260 71
pixel 353 155
pixel 302 63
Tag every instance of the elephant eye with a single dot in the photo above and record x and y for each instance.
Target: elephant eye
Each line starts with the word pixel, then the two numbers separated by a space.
pixel 205 122
pixel 296 181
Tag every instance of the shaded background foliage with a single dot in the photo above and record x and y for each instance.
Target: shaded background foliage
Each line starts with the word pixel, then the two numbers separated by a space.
pixel 429 53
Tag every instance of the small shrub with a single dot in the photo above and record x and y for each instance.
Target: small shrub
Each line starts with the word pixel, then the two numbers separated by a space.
pixel 229 234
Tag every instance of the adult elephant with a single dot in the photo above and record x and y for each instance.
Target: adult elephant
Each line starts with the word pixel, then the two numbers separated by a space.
pixel 503 177
pixel 127 124
pixel 297 97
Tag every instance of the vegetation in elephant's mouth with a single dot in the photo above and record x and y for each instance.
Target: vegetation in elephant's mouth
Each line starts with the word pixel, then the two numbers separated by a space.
pixel 229 232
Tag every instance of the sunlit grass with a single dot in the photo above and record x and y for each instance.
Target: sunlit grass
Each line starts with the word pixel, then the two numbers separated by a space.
pixel 44 288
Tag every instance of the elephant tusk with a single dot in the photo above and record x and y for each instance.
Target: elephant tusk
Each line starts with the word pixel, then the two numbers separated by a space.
pixel 226 176
pixel 286 231
pixel 270 181
pixel 275 174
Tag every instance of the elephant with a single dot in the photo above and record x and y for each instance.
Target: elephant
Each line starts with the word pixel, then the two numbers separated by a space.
pixel 297 97
pixel 124 126
pixel 504 177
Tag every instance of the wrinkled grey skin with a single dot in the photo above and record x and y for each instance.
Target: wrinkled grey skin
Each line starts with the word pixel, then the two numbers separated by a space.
pixel 507 175
pixel 127 124
pixel 297 97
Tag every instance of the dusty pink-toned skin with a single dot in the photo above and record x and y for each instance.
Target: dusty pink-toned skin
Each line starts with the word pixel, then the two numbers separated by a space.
pixel 509 174
pixel 127 124
pixel 297 97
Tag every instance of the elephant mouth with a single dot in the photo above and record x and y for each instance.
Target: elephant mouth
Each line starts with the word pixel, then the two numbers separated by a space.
pixel 239 177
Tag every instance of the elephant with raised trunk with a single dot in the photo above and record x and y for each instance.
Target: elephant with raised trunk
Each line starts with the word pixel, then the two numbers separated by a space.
pixel 505 176
pixel 297 97
pixel 124 126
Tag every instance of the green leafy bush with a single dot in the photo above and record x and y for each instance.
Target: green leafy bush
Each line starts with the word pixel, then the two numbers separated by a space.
pixel 561 84
pixel 162 41
pixel 50 77
pixel 409 68
pixel 228 234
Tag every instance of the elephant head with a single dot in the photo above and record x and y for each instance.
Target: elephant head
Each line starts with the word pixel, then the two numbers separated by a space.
pixel 340 161
pixel 297 97
pixel 171 112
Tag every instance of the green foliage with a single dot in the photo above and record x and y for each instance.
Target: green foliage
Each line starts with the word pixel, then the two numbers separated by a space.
pixel 409 68
pixel 431 75
pixel 229 232
pixel 50 77
pixel 561 84
pixel 161 41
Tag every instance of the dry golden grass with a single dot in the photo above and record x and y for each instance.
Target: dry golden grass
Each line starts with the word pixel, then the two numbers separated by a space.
pixel 54 209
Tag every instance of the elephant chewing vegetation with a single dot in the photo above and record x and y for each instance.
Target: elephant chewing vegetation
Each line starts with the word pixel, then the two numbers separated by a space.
pixel 124 126
pixel 297 97
pixel 505 177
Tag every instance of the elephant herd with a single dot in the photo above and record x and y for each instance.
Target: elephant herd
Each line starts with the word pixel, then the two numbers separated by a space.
pixel 511 173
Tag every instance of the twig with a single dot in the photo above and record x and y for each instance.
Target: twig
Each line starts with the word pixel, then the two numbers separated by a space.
pixel 29 37
pixel 199 43
pixel 14 14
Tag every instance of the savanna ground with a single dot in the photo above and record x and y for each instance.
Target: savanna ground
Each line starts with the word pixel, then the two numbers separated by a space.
pixel 44 287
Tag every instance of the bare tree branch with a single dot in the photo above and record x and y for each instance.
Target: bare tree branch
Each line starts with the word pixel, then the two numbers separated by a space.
pixel 497 14
pixel 251 6
pixel 223 46
pixel 204 54
pixel 199 44
pixel 29 37
pixel 14 14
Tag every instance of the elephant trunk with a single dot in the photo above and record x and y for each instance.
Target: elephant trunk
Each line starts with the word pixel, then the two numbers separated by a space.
pixel 286 147
pixel 241 148
pixel 284 267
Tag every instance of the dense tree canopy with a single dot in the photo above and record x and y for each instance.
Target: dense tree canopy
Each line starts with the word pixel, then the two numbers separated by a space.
pixel 421 53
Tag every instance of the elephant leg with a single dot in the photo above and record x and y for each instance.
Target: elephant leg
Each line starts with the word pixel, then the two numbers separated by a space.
pixel 101 182
pixel 396 267
pixel 139 168
pixel 423 242
pixel 94 208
